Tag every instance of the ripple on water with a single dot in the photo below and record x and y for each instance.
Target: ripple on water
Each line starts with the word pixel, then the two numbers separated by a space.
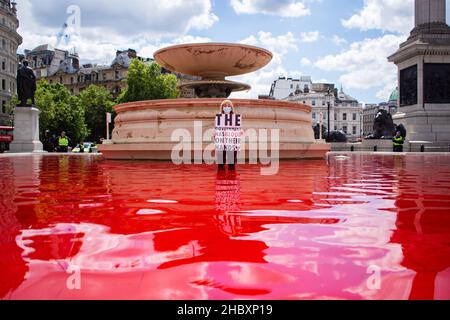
pixel 313 230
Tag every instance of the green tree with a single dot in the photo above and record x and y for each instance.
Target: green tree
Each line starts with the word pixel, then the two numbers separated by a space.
pixel 96 101
pixel 10 110
pixel 145 82
pixel 60 111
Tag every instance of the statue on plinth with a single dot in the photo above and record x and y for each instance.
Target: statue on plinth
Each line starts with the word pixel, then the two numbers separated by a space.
pixel 383 127
pixel 26 85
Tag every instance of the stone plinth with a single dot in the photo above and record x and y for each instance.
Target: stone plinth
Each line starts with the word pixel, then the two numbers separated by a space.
pixel 143 130
pixel 26 130
pixel 424 75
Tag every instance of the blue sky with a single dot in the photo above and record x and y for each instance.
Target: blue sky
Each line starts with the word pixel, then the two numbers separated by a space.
pixel 344 42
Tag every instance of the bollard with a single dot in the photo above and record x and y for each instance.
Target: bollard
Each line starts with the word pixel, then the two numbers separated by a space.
pixel 422 148
pixel 375 149
pixel 352 148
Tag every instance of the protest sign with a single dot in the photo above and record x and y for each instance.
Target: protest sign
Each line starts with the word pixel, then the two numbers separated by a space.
pixel 228 132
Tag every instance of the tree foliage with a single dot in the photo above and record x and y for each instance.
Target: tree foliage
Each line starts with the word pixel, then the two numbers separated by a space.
pixel 96 101
pixel 60 111
pixel 145 82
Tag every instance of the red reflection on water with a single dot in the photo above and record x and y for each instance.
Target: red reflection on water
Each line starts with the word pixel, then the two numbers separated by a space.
pixel 142 230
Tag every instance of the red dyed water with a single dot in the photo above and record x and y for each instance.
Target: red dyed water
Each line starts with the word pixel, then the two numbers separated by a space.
pixel 362 227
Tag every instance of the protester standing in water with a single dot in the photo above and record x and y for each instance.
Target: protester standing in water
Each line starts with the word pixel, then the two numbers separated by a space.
pixel 225 154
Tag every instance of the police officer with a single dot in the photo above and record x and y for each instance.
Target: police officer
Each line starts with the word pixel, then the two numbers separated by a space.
pixel 63 143
pixel 398 142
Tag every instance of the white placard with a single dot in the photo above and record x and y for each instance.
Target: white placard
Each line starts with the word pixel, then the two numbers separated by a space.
pixel 228 132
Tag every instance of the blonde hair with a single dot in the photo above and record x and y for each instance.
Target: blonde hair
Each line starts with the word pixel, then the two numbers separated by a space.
pixel 226 102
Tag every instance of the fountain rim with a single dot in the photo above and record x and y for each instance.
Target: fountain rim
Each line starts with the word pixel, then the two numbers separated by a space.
pixel 222 44
pixel 208 102
pixel 217 74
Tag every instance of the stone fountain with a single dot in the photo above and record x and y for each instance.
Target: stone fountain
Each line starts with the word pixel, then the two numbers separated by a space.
pixel 143 129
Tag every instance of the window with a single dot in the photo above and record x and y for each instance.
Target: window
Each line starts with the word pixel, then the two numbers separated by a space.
pixel 117 74
pixel 354 130
pixel 344 117
pixel 314 102
pixel 3 84
pixel 335 117
pixel 3 106
pixel 323 102
pixel 314 115
pixel 3 65
pixel 292 86
pixel 71 79
pixel 60 79
pixel 325 116
pixel 344 128
pixel 354 117
pixel 335 128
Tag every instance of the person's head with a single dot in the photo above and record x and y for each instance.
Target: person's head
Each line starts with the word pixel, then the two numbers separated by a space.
pixel 227 107
pixel 398 134
pixel 25 62
pixel 63 134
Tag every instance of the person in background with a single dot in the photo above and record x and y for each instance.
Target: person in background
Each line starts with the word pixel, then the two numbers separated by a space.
pixel 48 142
pixel 398 142
pixel 63 143
pixel 82 147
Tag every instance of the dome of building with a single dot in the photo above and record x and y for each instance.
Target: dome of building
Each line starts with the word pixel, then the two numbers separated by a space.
pixel 393 97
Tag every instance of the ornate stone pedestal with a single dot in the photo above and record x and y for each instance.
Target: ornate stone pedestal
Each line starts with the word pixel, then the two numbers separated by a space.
pixel 424 75
pixel 26 130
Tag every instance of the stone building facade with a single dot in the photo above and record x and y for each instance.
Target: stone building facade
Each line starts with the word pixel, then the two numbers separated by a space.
pixel 60 66
pixel 345 111
pixel 9 42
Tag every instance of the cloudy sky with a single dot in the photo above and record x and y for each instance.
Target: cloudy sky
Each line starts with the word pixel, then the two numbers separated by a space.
pixel 343 42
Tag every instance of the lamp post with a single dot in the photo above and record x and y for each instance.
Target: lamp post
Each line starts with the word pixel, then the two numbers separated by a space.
pixel 361 115
pixel 320 125
pixel 328 97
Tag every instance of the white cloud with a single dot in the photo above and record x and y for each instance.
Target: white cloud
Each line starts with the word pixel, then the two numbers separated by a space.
pixel 311 36
pixel 305 62
pixel 283 8
pixel 338 40
pixel 261 80
pixel 141 25
pixel 385 15
pixel 364 64
pixel 278 45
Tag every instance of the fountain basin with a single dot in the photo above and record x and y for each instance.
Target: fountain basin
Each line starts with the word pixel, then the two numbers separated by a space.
pixel 143 130
pixel 213 60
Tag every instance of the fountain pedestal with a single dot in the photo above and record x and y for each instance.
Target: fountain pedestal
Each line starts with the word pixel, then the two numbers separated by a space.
pixel 146 129
pixel 26 130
